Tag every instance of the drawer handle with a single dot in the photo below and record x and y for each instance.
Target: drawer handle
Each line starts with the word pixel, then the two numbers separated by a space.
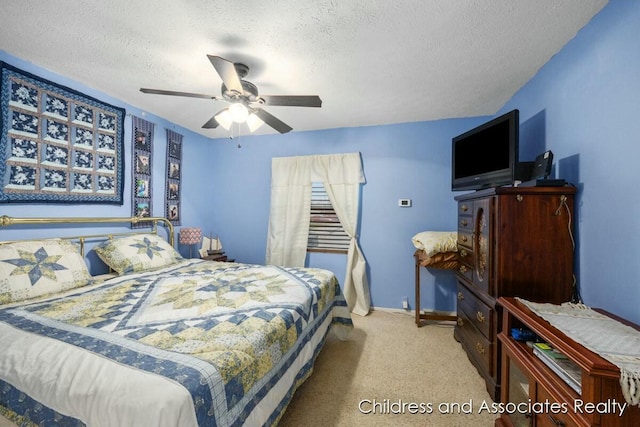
pixel 463 269
pixel 464 208
pixel 460 322
pixel 460 296
pixel 464 238
pixel 480 317
pixel 464 222
pixel 464 253
pixel 480 349
pixel 555 421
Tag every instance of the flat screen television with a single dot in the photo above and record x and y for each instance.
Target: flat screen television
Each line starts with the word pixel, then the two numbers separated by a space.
pixel 486 156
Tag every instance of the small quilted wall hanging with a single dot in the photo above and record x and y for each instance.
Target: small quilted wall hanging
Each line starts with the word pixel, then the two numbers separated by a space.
pixel 174 173
pixel 141 170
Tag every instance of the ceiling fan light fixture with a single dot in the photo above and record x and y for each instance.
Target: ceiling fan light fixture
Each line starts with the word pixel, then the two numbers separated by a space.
pixel 224 119
pixel 239 112
pixel 242 95
pixel 254 122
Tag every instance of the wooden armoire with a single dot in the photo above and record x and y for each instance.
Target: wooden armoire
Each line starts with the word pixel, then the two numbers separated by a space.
pixel 512 241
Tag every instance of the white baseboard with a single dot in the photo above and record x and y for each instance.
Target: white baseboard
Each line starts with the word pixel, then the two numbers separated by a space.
pixel 394 310
pixel 413 312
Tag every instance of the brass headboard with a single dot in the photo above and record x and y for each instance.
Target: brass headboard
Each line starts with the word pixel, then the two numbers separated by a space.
pixel 6 221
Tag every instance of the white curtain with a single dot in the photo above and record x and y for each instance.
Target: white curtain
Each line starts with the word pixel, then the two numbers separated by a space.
pixel 291 180
pixel 290 207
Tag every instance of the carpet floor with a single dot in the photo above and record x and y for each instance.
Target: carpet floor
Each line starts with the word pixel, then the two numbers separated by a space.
pixel 391 373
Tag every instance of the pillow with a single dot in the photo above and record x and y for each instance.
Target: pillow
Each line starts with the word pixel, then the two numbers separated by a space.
pixel 433 242
pixel 36 268
pixel 136 253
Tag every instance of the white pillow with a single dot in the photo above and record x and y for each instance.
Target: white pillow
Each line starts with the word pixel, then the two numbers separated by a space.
pixel 36 268
pixel 136 253
pixel 433 242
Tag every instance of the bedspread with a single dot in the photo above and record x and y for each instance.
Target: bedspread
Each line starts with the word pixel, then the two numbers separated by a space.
pixel 226 332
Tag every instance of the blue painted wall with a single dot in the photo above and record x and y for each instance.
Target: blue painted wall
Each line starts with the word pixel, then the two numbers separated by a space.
pixel 400 161
pixel 583 105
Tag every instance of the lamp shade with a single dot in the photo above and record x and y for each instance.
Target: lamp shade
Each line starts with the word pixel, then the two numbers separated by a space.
pixel 254 122
pixel 224 119
pixel 190 235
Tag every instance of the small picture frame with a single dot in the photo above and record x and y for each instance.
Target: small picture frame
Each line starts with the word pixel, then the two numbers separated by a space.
pixel 174 170
pixel 174 149
pixel 174 212
pixel 142 188
pixel 174 191
pixel 141 141
pixel 142 210
pixel 142 164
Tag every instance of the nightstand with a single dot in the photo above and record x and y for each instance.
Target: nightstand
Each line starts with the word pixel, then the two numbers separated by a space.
pixel 222 257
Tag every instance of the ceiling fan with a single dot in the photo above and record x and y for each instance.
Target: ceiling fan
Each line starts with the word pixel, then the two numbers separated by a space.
pixel 244 98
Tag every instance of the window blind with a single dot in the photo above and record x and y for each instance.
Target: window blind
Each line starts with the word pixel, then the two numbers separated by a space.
pixel 325 231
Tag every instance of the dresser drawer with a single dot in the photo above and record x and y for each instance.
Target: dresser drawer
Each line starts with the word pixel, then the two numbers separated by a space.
pixel 465 223
pixel 465 257
pixel 466 271
pixel 465 239
pixel 478 347
pixel 476 311
pixel 465 208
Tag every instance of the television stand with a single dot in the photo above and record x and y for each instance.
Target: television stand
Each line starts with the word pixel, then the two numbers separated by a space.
pixel 530 382
pixel 544 183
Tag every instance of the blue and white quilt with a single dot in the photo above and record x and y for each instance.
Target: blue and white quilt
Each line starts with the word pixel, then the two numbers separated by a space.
pixel 197 343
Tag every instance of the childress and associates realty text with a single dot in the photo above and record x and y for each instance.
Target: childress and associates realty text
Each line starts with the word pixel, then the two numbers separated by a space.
pixel 579 406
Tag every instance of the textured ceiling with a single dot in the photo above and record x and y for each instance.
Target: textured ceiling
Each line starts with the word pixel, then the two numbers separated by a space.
pixel 371 62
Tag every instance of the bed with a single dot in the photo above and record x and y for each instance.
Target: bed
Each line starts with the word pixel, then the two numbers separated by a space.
pixel 160 340
pixel 434 249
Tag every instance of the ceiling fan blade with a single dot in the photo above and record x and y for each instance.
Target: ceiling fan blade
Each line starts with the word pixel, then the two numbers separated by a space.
pixel 272 120
pixel 174 93
pixel 227 72
pixel 292 100
pixel 212 123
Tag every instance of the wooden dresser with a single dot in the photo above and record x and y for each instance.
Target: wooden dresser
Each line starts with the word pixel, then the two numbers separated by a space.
pixel 512 241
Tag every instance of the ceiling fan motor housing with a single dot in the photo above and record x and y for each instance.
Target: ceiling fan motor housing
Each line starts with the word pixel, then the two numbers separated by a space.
pixel 250 92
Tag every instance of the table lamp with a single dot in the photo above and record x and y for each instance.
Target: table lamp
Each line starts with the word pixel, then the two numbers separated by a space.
pixel 190 236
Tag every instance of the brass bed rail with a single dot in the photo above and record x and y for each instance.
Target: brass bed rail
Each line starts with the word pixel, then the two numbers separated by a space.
pixel 6 221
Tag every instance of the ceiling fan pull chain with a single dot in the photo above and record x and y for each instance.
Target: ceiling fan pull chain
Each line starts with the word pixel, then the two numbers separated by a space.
pixel 238 134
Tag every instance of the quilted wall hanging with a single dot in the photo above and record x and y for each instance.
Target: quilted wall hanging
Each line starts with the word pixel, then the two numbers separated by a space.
pixel 141 170
pixel 174 173
pixel 57 144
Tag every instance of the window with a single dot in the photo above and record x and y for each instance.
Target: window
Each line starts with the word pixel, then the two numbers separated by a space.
pixel 325 231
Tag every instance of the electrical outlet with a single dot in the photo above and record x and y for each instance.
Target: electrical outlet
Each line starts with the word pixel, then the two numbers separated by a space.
pixel 405 303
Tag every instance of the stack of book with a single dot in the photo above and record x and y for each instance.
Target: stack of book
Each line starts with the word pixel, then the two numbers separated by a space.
pixel 566 369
